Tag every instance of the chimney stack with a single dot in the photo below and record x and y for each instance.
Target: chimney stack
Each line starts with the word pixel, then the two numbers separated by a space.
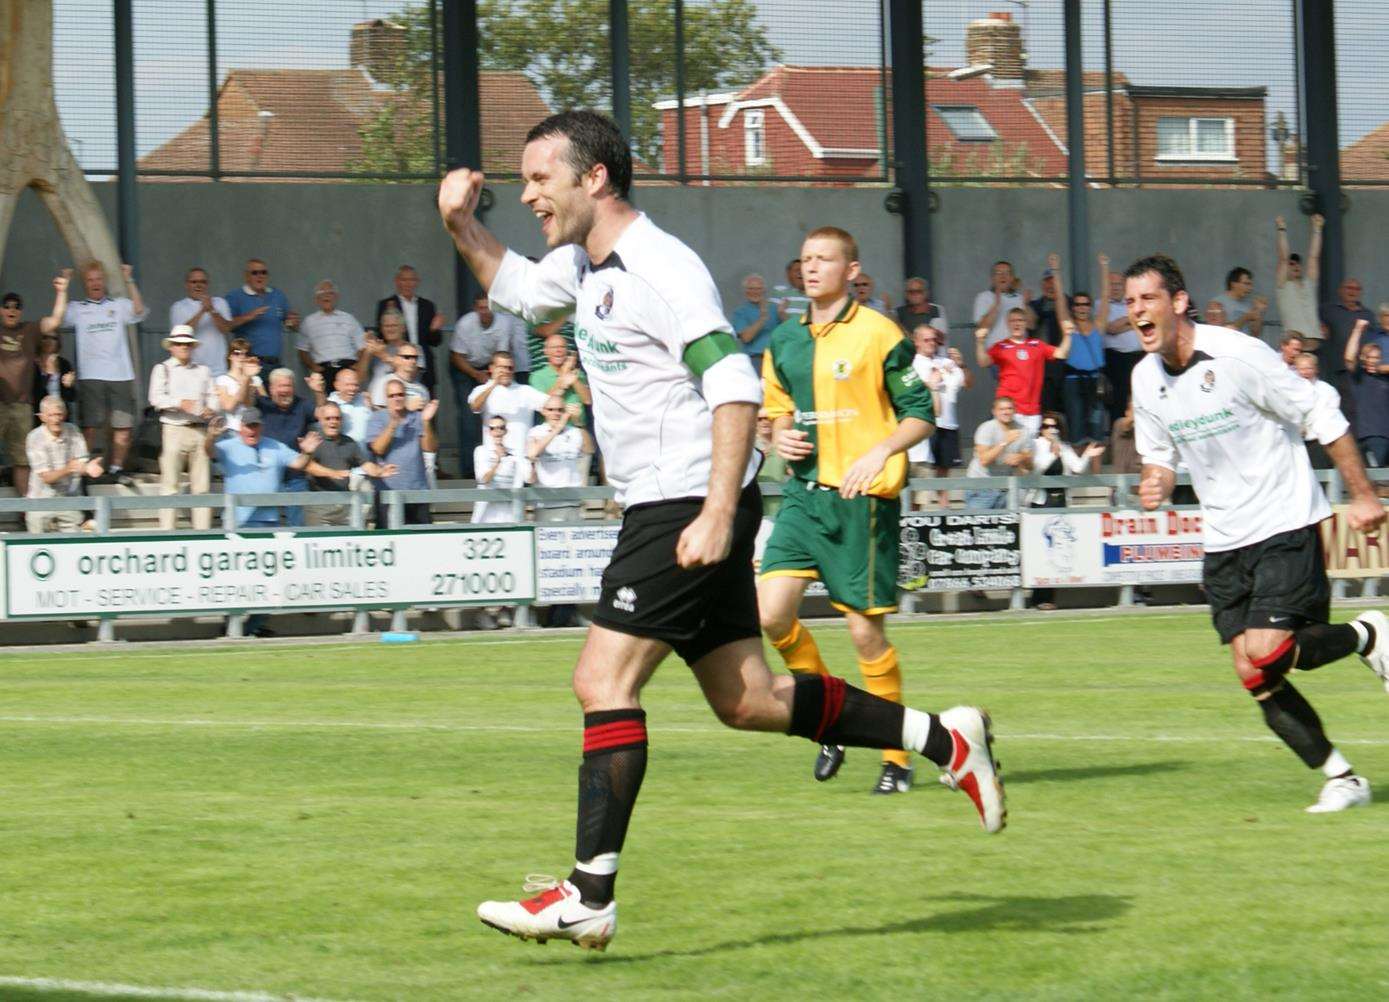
pixel 996 39
pixel 378 46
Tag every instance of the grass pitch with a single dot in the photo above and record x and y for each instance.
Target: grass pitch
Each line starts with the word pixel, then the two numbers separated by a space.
pixel 321 821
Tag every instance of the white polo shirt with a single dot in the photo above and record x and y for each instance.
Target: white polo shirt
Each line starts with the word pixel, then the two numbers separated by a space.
pixel 516 404
pixel 328 337
pixel 1236 415
pixel 984 302
pixel 635 313
pixel 558 465
pixel 103 353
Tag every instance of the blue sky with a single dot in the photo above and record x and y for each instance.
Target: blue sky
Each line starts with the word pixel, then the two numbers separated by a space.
pixel 1189 42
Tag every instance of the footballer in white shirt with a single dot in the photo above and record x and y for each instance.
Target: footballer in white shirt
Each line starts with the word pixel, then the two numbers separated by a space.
pixel 675 402
pixel 1226 405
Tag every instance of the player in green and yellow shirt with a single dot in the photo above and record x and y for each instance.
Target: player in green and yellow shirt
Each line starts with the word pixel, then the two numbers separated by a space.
pixel 845 405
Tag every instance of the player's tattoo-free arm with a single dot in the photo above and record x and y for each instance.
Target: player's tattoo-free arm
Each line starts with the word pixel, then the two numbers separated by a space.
pixel 708 539
pixel 458 198
pixel 1366 509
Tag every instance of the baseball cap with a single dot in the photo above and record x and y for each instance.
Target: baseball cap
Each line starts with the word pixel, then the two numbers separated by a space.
pixel 249 415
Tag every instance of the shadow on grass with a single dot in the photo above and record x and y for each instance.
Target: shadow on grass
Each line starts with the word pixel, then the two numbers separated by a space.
pixel 1012 777
pixel 1079 914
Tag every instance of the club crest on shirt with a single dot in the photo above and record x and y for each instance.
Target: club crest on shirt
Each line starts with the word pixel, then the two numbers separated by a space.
pixel 1208 381
pixel 604 308
pixel 841 368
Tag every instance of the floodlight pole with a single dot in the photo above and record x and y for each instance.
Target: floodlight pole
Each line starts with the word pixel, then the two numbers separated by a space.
pixel 1316 36
pixel 912 176
pixel 1077 204
pixel 462 118
pixel 621 61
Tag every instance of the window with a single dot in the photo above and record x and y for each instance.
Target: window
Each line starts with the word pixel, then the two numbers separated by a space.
pixel 754 137
pixel 1195 138
pixel 966 123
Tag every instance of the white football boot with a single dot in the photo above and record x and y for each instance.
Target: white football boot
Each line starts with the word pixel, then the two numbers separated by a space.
pixel 1342 793
pixel 555 913
pixel 972 765
pixel 1377 657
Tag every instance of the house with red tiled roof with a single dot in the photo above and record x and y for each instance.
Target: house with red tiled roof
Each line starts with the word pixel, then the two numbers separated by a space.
pixel 992 118
pixel 1367 159
pixel 305 122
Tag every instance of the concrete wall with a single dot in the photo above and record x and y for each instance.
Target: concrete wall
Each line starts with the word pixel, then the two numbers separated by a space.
pixel 356 234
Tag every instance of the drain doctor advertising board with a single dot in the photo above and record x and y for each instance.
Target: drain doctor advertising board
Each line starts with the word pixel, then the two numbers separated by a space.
pixel 1061 549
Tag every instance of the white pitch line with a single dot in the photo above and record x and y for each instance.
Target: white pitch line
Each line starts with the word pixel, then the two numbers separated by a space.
pixel 424 725
pixel 112 990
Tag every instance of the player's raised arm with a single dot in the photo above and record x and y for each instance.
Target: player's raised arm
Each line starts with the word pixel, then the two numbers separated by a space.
pixel 459 192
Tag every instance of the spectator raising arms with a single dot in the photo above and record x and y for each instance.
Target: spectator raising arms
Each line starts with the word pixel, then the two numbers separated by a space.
pixel 1295 284
pixel 105 372
pixel 1369 387
pixel 1122 350
pixel 993 306
pixel 514 402
pixel 557 452
pixel 1084 364
pixel 333 464
pixel 287 418
pixel 20 345
pixel 477 337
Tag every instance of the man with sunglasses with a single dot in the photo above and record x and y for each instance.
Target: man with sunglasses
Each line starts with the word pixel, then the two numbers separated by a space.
pixel 261 313
pixel 19 353
pixel 404 366
pixel 400 436
pixel 864 289
pixel 918 309
pixel 516 403
pixel 333 463
pixel 209 316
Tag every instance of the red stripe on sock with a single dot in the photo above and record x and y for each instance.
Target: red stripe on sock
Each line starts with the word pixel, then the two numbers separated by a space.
pixel 834 702
pixel 614 735
pixel 1278 652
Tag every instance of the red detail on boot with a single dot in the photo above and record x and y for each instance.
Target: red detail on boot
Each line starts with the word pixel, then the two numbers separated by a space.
pixel 544 900
pixel 970 784
pixel 957 760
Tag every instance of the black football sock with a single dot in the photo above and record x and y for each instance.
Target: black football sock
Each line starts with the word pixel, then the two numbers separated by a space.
pixel 609 780
pixel 828 710
pixel 1322 643
pixel 1292 718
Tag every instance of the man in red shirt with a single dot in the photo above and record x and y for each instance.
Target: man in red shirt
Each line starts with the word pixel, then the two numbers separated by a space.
pixel 1022 360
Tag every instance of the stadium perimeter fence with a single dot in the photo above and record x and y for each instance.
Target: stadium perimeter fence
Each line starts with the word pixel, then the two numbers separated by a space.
pixel 1099 541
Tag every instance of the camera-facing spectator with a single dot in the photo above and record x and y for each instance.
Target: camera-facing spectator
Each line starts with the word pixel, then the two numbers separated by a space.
pixel 1340 317
pixel 919 309
pixel 329 338
pixel 1290 346
pixel 1295 284
pixel 1306 366
pixel 240 386
pixel 54 375
pixel 994 305
pixel 1244 311
pixel 58 460
pixel 210 318
pixel 261 314
pixel 404 365
pixel 498 469
pixel 20 347
pixel 337 464
pixel 105 372
pixel 865 293
pixel 185 396
pixel 476 338
pixel 945 375
pixel 399 437
pixel 288 418
pixel 1080 390
pixel 1053 456
pixel 1369 388
pixel 1021 359
pixel 557 452
pixel 424 324
pixel 789 297
pixel 1002 448
pixel 561 374
pixel 753 320
pixel 503 397
pixel 354 406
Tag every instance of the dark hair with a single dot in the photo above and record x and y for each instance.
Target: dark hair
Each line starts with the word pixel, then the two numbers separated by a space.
pixel 1235 275
pixel 197 267
pixel 1295 258
pixel 997 263
pixel 1060 420
pixel 12 297
pixel 593 139
pixel 1082 292
pixel 1164 267
pixel 795 262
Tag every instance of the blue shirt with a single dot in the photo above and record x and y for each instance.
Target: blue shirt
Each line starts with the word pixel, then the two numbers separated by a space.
pixel 254 469
pixel 1087 351
pixel 747 314
pixel 286 425
pixel 404 451
pixel 265 332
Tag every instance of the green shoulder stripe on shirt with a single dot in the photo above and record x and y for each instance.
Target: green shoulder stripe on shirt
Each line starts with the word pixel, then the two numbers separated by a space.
pixel 702 353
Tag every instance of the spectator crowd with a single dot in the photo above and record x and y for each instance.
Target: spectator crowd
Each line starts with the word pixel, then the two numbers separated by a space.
pixel 360 414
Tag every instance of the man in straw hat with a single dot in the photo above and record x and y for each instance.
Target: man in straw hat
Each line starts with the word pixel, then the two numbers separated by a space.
pixel 183 393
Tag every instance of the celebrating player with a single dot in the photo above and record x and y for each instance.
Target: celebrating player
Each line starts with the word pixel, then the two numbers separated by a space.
pixel 676 405
pixel 845 404
pixel 1227 406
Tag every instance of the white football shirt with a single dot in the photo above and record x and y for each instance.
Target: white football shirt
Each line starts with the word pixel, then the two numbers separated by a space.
pixel 1236 415
pixel 102 350
pixel 634 315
